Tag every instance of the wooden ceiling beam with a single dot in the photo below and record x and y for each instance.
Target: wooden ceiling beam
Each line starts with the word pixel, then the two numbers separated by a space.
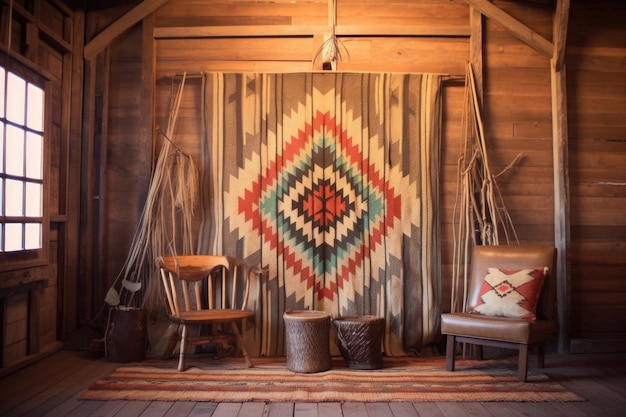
pixel 306 30
pixel 104 38
pixel 517 28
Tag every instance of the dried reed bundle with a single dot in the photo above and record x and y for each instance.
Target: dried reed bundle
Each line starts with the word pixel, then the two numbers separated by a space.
pixel 165 223
pixel 479 212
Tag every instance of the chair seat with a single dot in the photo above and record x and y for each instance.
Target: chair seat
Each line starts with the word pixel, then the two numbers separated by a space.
pixel 210 316
pixel 503 329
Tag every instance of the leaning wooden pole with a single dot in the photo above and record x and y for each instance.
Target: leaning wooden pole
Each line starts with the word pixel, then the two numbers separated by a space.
pixel 560 144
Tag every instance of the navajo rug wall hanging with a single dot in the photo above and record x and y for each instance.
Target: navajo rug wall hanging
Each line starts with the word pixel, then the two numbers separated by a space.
pixel 330 180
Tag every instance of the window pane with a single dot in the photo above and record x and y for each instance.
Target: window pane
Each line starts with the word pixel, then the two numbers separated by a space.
pixel 1 147
pixel 22 114
pixel 32 236
pixel 16 104
pixel 33 200
pixel 34 117
pixel 2 92
pixel 13 237
pixel 34 156
pixel 15 151
pixel 15 197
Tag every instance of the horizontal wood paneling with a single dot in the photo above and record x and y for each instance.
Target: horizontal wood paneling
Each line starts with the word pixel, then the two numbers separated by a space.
pixel 277 50
pixel 518 123
pixel 436 55
pixel 596 69
pixel 449 13
pixel 193 13
pixel 422 13
pixel 15 328
pixel 276 54
pixel 194 52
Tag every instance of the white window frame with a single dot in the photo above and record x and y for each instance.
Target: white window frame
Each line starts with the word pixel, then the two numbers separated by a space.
pixel 30 254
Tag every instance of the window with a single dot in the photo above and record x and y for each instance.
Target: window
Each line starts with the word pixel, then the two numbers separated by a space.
pixel 21 167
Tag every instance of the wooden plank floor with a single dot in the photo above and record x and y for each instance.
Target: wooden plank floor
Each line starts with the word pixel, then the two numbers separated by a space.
pixel 49 388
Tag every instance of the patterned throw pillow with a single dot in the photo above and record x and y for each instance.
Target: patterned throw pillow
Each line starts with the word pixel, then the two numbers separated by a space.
pixel 511 292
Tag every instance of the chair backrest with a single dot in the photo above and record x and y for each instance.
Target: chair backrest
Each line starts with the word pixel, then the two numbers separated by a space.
pixel 516 257
pixel 194 282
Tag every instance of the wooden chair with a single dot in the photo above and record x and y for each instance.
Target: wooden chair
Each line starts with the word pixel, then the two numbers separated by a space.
pixel 505 332
pixel 205 290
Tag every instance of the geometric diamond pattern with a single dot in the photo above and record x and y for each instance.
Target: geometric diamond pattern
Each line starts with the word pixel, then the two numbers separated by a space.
pixel 511 292
pixel 323 203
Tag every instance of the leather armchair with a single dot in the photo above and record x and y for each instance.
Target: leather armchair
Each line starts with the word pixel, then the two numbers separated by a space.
pixel 506 332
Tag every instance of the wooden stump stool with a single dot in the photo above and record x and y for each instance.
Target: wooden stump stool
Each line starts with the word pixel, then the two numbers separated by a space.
pixel 307 340
pixel 359 339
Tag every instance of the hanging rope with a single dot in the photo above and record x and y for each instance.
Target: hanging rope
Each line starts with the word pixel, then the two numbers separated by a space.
pixel 330 51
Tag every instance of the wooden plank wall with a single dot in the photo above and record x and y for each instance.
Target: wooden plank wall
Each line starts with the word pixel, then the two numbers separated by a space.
pixel 32 298
pixel 424 36
pixel 119 156
pixel 596 84
pixel 429 36
pixel 518 125
pixel 124 180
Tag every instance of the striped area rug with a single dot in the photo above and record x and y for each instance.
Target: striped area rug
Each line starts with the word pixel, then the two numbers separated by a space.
pixel 401 379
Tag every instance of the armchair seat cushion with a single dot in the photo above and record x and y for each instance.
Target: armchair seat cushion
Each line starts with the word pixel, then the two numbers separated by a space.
pixel 503 329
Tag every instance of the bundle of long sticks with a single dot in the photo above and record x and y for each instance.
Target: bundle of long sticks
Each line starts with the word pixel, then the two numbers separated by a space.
pixel 479 213
pixel 165 223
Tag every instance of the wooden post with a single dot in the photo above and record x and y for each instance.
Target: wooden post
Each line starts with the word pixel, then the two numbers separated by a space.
pixel 84 287
pixel 561 199
pixel 476 51
pixel 148 80
pixel 69 276
pixel 561 172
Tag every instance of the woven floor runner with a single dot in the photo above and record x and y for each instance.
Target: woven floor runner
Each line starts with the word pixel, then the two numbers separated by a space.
pixel 401 379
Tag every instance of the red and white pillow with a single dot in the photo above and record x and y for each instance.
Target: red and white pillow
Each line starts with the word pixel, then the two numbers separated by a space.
pixel 511 292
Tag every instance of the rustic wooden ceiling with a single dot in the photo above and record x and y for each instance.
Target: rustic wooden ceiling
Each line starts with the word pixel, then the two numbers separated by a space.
pixel 104 4
pixel 97 4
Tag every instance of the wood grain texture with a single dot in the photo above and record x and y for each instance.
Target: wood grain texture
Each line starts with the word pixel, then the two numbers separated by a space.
pixel 381 36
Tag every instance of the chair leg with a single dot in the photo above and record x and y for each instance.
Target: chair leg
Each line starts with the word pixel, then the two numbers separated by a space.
pixel 450 353
pixel 541 356
pixel 183 349
pixel 522 366
pixel 242 345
